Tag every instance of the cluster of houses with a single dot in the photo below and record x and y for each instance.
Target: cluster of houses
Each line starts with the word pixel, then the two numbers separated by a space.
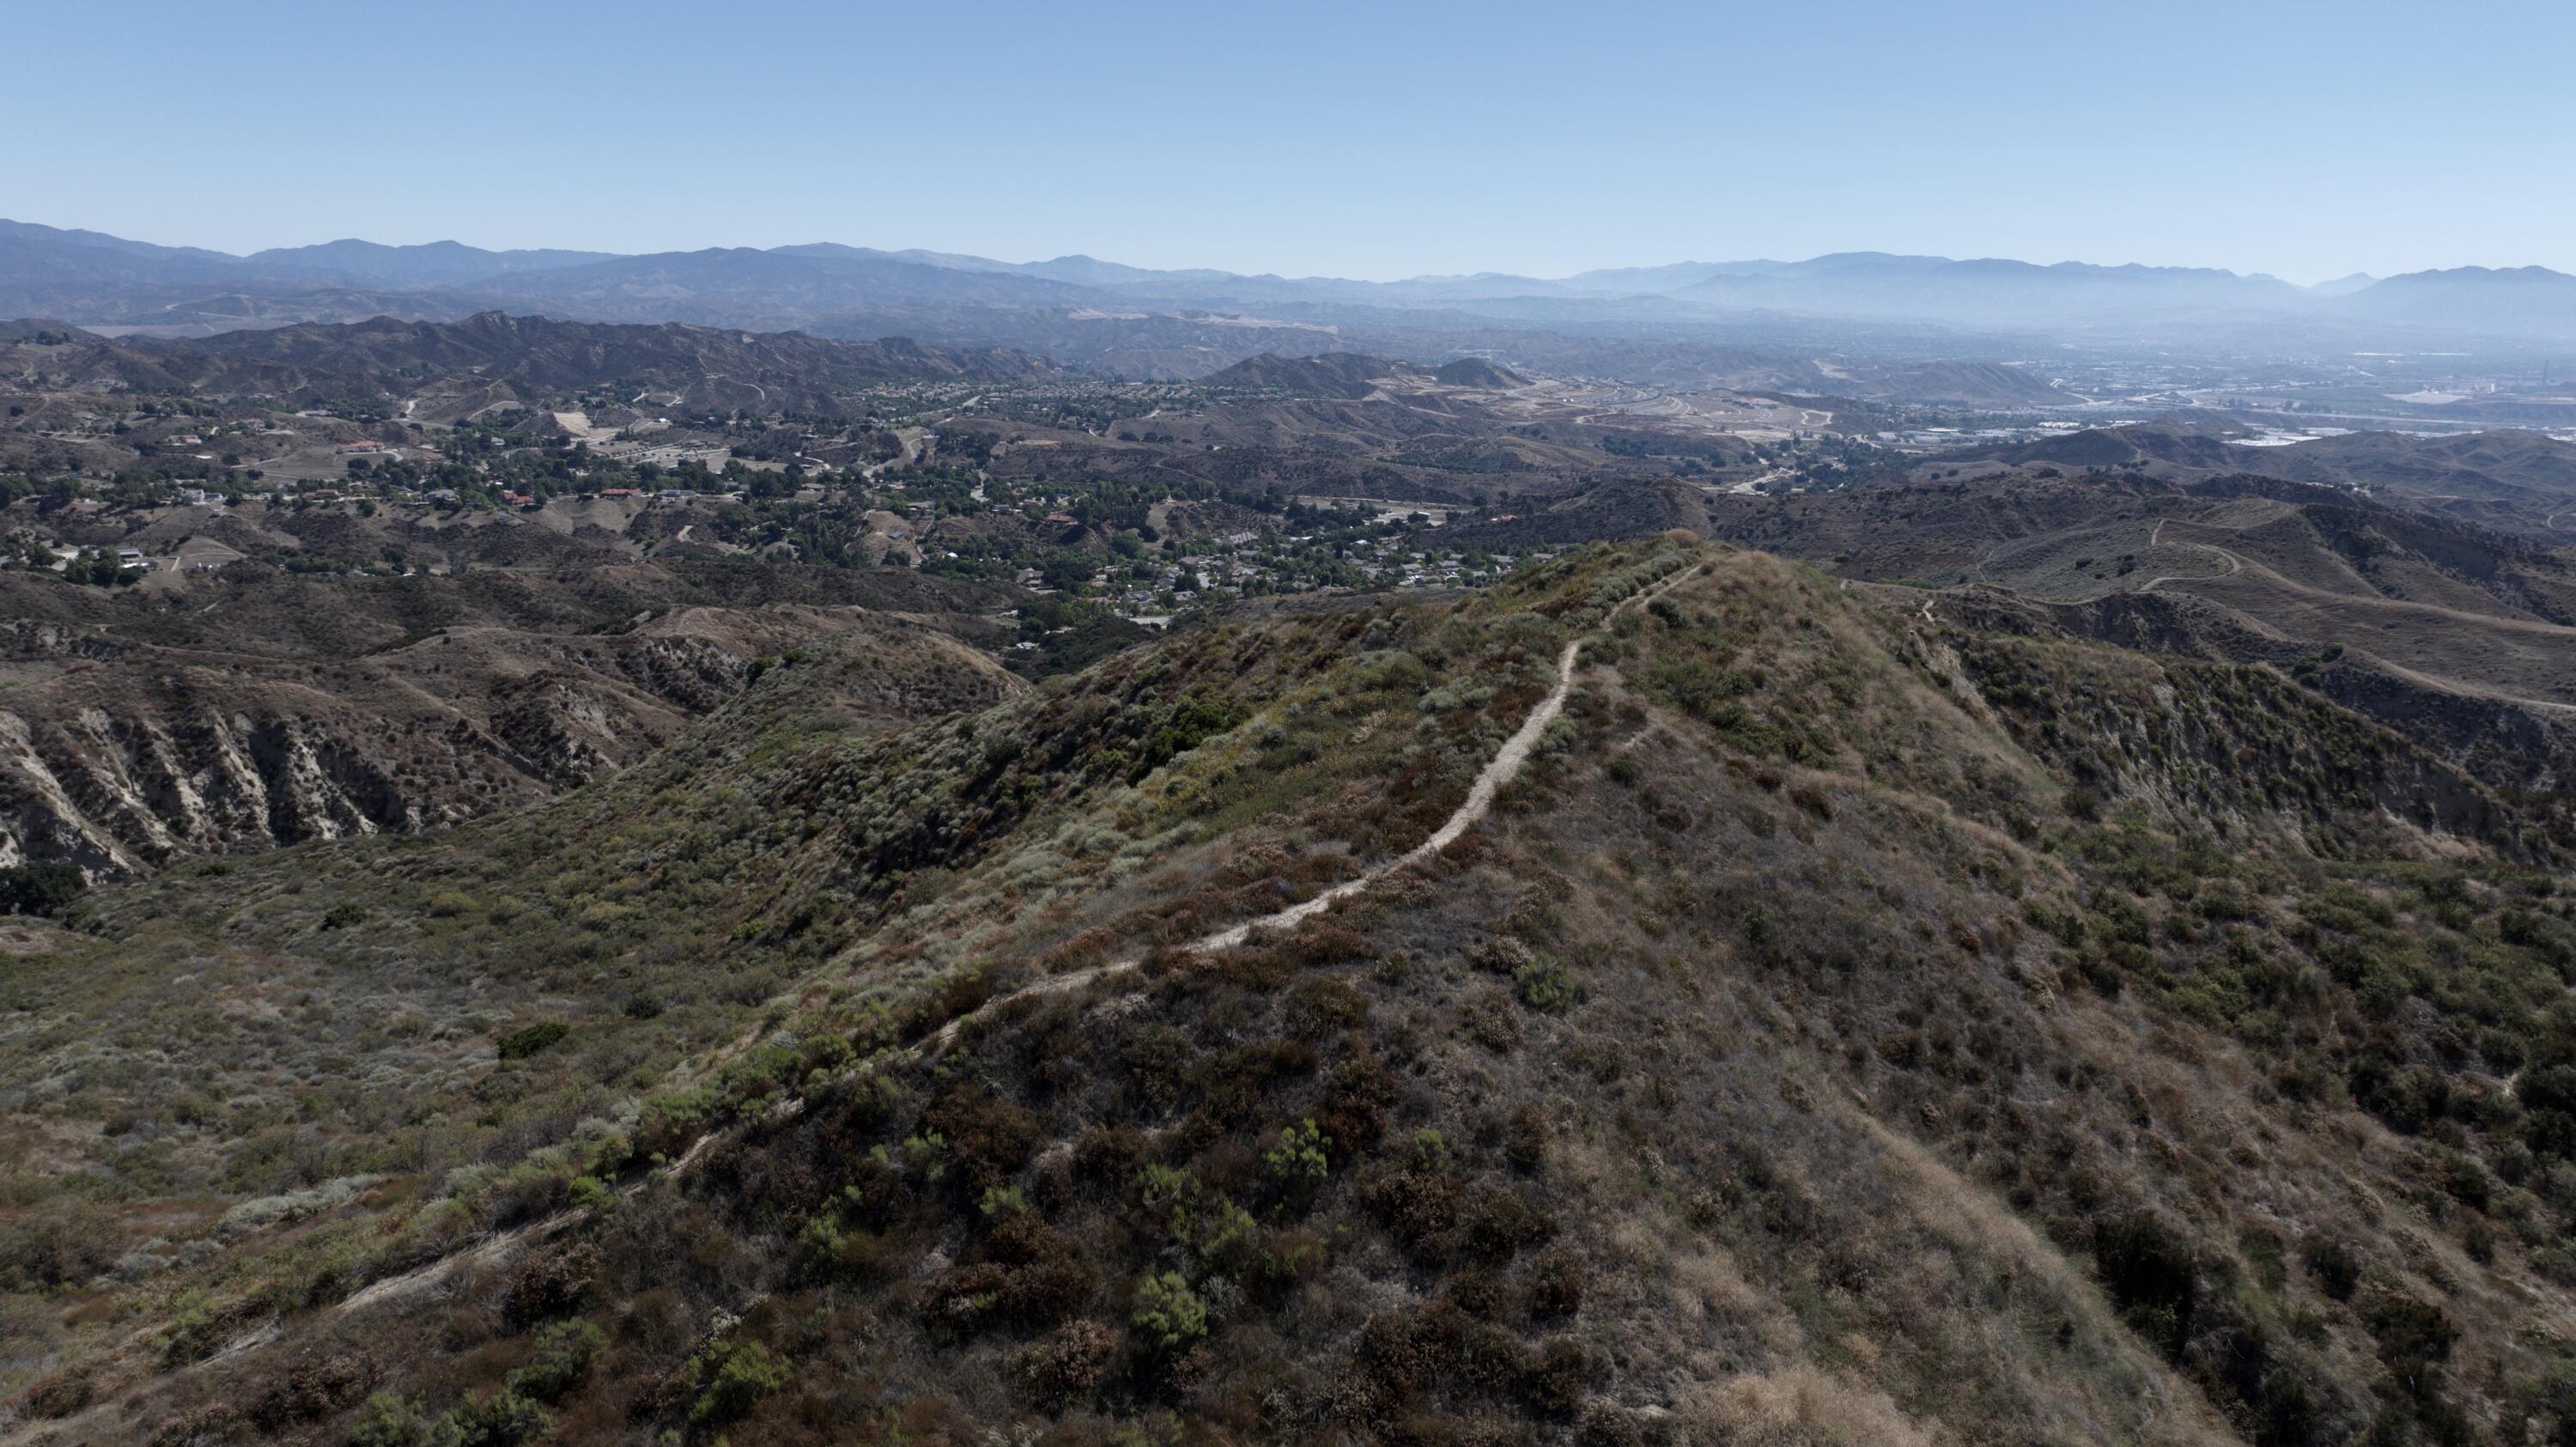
pixel 1387 562
pixel 194 555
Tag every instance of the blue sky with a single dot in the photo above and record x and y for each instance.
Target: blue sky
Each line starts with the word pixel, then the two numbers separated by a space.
pixel 1376 140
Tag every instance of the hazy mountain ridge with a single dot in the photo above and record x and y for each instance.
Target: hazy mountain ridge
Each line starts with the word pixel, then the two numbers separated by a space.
pixel 436 263
pixel 88 276
pixel 1988 290
pixel 2523 299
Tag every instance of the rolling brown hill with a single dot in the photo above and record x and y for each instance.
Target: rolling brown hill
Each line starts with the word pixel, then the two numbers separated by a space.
pixel 1353 375
pixel 2505 480
pixel 1350 375
pixel 521 357
pixel 1477 372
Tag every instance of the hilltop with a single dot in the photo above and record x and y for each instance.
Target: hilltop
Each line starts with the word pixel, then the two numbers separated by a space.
pixel 1477 372
pixel 1330 374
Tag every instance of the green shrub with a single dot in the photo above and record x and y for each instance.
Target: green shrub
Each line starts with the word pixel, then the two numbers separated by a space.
pixel 1430 1150
pixel 1693 685
pixel 1299 1156
pixel 389 1419
pixel 2225 899
pixel 505 1419
pixel 736 1377
pixel 1168 1313
pixel 521 1043
pixel 1543 984
pixel 2414 1335
pixel 43 889
pixel 564 1352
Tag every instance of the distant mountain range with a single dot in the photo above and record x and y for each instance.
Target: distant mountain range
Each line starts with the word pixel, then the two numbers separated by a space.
pixel 1985 291
pixel 437 263
pixel 2522 299
pixel 94 279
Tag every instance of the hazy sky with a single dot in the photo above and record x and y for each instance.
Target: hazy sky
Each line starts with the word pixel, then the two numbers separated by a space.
pixel 1385 139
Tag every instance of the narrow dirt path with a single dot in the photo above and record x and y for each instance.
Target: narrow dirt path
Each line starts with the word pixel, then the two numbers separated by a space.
pixel 2234 567
pixel 2272 577
pixel 489 1250
pixel 2155 538
pixel 1502 769
pixel 1505 766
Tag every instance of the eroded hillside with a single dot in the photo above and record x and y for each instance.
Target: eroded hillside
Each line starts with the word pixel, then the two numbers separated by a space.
pixel 260 708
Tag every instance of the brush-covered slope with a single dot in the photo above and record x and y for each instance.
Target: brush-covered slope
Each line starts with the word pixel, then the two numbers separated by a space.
pixel 1845 1029
pixel 2457 635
